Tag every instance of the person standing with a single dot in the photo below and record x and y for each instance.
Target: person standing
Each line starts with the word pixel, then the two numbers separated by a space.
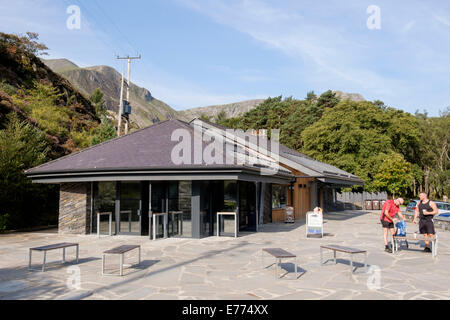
pixel 387 217
pixel 426 210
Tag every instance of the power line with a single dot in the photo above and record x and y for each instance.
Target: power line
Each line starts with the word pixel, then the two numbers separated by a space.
pixel 103 11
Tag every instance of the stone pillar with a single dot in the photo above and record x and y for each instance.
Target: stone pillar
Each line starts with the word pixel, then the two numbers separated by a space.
pixel 74 208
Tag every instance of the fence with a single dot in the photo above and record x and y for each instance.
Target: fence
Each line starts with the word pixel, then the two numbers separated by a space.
pixel 360 200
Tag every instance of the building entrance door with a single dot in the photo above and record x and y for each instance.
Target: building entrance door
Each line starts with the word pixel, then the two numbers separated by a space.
pixel 130 208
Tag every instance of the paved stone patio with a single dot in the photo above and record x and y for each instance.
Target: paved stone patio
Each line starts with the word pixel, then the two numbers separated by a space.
pixel 229 268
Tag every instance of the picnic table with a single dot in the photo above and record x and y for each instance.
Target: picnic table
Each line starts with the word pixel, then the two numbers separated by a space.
pixel 279 254
pixel 338 248
pixel 49 247
pixel 396 240
pixel 121 250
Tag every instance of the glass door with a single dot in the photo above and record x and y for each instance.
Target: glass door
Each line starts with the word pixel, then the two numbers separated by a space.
pixel 130 205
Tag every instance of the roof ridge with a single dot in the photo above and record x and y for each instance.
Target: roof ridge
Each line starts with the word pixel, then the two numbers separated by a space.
pixel 97 145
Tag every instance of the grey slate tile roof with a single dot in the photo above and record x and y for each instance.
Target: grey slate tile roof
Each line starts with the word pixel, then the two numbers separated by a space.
pixel 321 168
pixel 148 148
pixel 151 148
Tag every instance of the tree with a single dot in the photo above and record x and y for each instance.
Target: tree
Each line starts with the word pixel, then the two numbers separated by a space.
pixel 328 99
pixel 105 131
pixel 98 102
pixel 311 96
pixel 23 44
pixel 394 175
pixel 221 116
pixel 356 137
pixel 23 146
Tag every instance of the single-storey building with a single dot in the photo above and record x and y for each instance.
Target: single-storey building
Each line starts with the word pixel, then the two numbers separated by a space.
pixel 180 170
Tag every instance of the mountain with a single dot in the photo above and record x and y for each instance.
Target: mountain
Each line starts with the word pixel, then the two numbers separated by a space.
pixel 231 110
pixel 146 109
pixel 239 108
pixel 356 97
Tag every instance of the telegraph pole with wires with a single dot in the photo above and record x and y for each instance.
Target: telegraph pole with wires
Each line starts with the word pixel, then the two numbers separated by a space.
pixel 125 109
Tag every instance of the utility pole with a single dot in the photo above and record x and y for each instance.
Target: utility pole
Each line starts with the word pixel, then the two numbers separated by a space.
pixel 128 87
pixel 119 114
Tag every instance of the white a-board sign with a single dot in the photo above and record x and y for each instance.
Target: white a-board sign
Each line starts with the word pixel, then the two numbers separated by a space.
pixel 314 223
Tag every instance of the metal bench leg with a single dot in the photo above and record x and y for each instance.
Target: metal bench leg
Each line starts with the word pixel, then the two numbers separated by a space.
pixel 29 260
pixel 139 255
pixel 64 256
pixel 43 264
pixel 277 261
pixel 78 250
pixel 296 276
pixel 103 264
pixel 365 261
pixel 334 253
pixel 121 264
pixel 351 262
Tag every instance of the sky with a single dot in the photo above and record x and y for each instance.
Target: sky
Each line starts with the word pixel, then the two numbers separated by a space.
pixel 206 52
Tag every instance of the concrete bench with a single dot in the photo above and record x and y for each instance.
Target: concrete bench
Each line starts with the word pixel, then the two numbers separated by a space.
pixel 49 247
pixel 337 248
pixel 415 237
pixel 121 250
pixel 279 254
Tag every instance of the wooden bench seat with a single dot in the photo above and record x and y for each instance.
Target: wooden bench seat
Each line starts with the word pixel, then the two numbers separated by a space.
pixel 121 250
pixel 55 246
pixel 279 254
pixel 338 248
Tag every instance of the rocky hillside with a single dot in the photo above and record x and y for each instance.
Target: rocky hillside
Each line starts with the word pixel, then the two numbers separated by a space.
pixel 146 109
pixel 231 110
pixel 34 93
pixel 350 96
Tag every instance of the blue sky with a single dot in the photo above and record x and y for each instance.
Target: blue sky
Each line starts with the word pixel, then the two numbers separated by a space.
pixel 197 53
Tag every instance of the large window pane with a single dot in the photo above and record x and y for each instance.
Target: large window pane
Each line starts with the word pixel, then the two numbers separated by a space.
pixel 279 196
pixel 104 201
pixel 130 196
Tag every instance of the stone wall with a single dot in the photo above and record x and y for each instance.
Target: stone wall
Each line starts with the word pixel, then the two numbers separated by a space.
pixel 74 208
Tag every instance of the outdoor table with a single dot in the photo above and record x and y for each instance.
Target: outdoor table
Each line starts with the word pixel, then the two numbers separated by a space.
pixel 120 250
pixel 55 246
pixel 279 254
pixel 351 251
pixel 155 216
pixel 98 222
pixel 180 220
pixel 227 213
pixel 434 242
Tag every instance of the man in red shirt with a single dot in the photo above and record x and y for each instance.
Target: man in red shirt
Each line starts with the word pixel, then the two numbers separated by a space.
pixel 390 209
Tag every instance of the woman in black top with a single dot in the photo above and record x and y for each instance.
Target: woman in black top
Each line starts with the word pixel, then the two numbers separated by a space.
pixel 426 211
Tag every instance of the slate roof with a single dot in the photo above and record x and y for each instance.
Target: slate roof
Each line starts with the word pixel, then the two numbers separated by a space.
pixel 151 148
pixel 148 148
pixel 315 168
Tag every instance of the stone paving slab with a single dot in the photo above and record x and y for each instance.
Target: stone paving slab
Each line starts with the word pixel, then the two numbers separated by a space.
pixel 229 268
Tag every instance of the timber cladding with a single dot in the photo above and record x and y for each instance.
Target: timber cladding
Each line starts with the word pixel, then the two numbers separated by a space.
pixel 301 194
pixel 74 208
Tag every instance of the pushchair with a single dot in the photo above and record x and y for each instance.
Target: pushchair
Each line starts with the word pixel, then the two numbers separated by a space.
pixel 400 231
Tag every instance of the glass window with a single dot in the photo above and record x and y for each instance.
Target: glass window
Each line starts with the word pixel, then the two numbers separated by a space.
pixel 104 201
pixel 230 196
pixel 279 196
